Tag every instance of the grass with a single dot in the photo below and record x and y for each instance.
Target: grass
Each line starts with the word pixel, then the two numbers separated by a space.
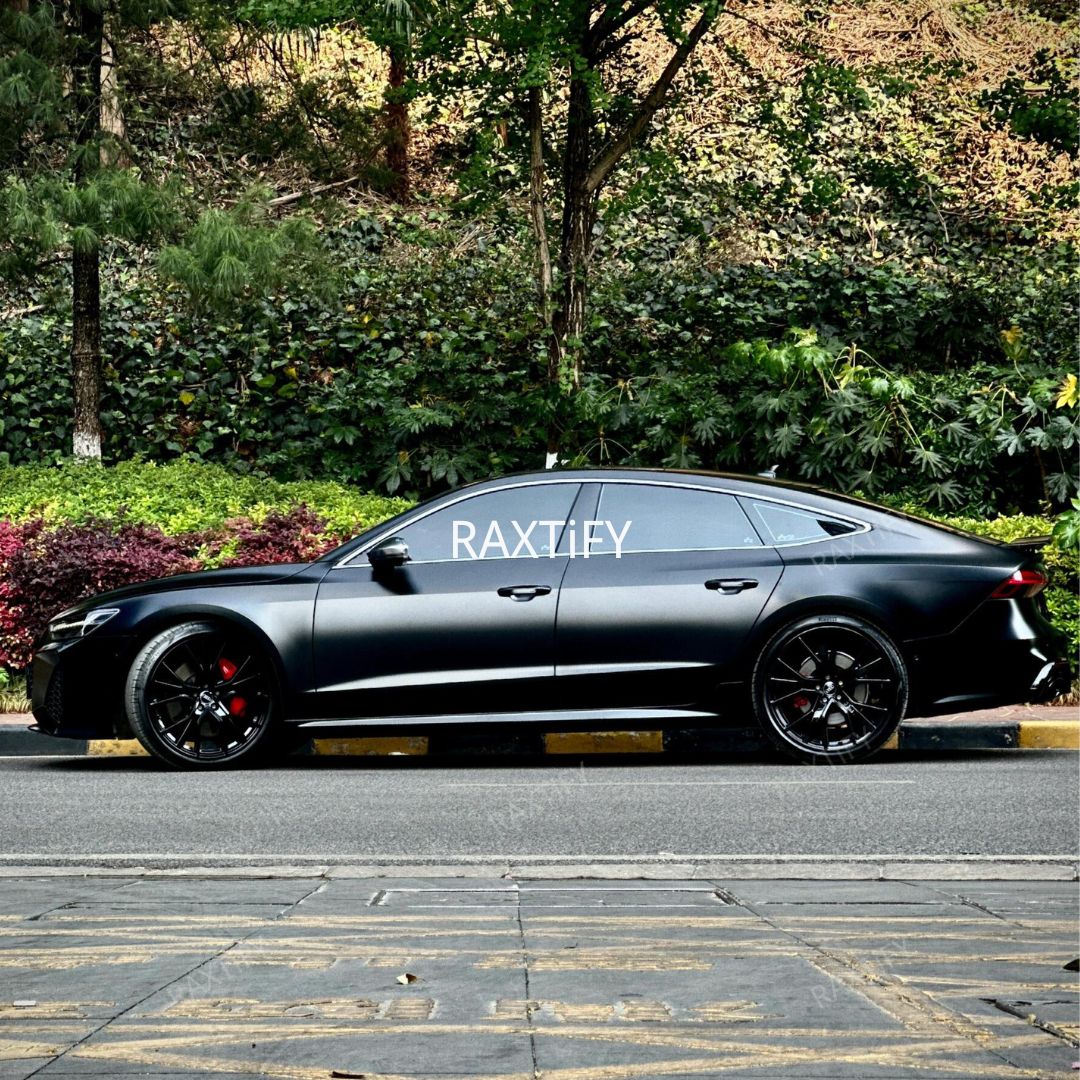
pixel 13 701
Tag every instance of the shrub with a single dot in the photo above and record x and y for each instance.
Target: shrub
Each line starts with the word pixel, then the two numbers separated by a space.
pixel 48 570
pixel 75 530
pixel 297 535
pixel 179 497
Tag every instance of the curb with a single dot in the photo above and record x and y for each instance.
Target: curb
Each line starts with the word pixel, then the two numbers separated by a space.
pixel 914 735
pixel 504 871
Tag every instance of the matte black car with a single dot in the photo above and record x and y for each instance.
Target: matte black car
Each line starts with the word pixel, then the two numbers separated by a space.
pixel 570 600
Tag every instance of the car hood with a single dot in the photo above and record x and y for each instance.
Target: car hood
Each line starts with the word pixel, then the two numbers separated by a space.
pixel 241 575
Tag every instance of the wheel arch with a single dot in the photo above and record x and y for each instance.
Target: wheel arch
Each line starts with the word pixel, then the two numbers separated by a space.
pixel 158 621
pixel 855 607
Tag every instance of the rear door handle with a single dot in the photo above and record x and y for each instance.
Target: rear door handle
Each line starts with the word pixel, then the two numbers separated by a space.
pixel 730 586
pixel 524 592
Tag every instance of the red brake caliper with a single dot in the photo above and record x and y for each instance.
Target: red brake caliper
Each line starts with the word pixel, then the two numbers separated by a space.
pixel 237 704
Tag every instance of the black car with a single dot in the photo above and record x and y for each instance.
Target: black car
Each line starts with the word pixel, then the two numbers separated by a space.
pixel 569 600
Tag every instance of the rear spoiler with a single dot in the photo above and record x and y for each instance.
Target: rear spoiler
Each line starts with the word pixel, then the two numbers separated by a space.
pixel 1030 543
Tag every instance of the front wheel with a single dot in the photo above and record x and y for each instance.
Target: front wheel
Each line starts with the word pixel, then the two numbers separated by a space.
pixel 201 696
pixel 829 689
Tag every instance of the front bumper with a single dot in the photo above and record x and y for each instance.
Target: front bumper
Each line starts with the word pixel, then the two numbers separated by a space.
pixel 75 688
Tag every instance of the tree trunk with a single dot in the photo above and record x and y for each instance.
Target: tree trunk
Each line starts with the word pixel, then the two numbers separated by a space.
pixel 85 263
pixel 575 241
pixel 112 115
pixel 537 207
pixel 396 112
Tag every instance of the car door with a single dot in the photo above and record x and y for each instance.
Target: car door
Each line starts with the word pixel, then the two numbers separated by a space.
pixel 467 625
pixel 659 619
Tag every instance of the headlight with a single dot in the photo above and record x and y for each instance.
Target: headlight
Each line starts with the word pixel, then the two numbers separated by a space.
pixel 68 627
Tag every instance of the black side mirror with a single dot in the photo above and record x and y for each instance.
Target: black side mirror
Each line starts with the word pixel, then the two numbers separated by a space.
pixel 390 553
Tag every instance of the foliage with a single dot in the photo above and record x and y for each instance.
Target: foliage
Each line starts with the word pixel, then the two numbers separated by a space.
pixel 180 498
pixel 296 535
pixel 233 256
pixel 51 569
pixel 45 568
pixel 1041 103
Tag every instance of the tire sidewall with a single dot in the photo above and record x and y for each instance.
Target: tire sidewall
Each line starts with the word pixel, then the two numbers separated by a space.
pixel 802 754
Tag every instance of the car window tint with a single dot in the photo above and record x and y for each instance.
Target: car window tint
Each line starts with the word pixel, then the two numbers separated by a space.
pixel 520 523
pixel 658 518
pixel 787 525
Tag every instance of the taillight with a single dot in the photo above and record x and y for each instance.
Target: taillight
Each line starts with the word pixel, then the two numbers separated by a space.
pixel 1020 583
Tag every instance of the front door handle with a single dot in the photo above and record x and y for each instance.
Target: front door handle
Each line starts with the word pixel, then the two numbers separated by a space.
pixel 730 586
pixel 524 592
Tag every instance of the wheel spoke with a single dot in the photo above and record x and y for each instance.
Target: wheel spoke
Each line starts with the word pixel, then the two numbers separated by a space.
pixel 870 726
pixel 172 697
pixel 797 690
pixel 818 663
pixel 180 682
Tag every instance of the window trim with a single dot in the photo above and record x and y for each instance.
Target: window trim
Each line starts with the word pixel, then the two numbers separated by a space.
pixel 861 526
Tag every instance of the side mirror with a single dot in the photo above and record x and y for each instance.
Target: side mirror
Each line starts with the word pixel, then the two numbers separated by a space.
pixel 390 553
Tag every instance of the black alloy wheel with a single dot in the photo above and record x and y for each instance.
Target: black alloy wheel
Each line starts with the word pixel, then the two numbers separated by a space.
pixel 830 689
pixel 199 695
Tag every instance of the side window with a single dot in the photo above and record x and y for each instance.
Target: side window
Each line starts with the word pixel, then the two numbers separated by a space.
pixel 516 523
pixel 788 525
pixel 658 518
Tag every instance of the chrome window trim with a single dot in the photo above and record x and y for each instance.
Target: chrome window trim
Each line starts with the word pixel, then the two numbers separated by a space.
pixel 861 526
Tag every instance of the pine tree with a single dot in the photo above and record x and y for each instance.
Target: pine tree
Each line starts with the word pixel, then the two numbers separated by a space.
pixel 62 193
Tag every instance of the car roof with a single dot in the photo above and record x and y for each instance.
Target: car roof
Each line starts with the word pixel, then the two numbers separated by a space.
pixel 599 473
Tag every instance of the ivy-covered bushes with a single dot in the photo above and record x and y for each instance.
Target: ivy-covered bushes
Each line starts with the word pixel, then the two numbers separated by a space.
pixel 942 382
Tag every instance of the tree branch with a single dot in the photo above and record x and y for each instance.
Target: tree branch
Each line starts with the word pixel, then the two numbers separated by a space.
pixel 612 22
pixel 609 156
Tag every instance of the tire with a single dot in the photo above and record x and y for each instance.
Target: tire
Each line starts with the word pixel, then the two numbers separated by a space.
pixel 829 689
pixel 203 696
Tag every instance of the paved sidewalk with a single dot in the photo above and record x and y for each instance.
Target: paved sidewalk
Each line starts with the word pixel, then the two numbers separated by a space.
pixel 303 978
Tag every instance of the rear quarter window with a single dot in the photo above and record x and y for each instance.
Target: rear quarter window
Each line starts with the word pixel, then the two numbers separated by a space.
pixel 781 524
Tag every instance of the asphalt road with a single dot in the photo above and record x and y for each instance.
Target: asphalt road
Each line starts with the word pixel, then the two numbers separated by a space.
pixel 992 803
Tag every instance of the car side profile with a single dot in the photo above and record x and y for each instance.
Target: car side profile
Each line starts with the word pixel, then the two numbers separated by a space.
pixel 577 599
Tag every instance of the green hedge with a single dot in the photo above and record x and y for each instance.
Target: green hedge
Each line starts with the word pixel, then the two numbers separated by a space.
pixel 178 497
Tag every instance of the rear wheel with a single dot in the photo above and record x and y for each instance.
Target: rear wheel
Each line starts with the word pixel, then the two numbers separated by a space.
pixel 202 696
pixel 829 689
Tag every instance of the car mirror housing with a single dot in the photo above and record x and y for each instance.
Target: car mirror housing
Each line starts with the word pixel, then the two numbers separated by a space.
pixel 388 554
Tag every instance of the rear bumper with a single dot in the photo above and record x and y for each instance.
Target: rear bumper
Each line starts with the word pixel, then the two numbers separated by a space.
pixel 1006 653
